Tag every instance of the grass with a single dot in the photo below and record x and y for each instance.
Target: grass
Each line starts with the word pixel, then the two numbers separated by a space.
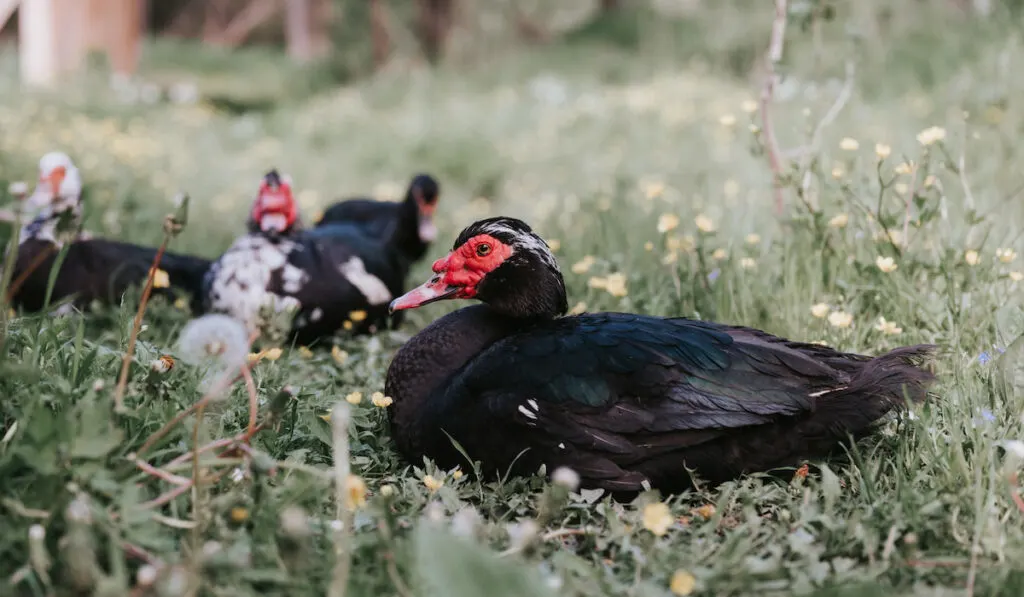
pixel 593 147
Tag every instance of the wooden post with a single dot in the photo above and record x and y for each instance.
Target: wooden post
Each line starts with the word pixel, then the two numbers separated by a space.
pixel 380 39
pixel 38 55
pixel 124 34
pixel 7 8
pixel 297 30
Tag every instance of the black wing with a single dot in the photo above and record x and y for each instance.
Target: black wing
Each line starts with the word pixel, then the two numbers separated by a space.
pixel 604 392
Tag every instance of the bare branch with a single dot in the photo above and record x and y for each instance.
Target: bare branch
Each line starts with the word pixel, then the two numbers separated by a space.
pixel 768 94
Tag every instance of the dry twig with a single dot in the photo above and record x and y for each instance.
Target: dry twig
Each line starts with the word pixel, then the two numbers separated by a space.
pixel 767 95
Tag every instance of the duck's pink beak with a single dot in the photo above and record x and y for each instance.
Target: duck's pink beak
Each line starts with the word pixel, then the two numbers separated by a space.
pixel 433 290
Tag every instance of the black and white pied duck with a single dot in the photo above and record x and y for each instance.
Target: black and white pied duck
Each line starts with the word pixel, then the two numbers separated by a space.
pixel 408 225
pixel 335 279
pixel 627 401
pixel 92 269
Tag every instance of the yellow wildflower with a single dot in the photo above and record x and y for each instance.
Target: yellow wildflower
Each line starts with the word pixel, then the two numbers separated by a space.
pixel 578 308
pixel 931 135
pixel 753 238
pixel 882 150
pixel 719 254
pixel 749 106
pixel 667 222
pixel 704 223
pixel 599 282
pixel 849 144
pixel 838 172
pixel 616 285
pixel 820 310
pixel 355 492
pixel 886 264
pixel 972 257
pixel 1016 276
pixel 432 484
pixel 654 190
pixel 683 583
pixel 904 168
pixel 161 279
pixel 272 354
pixel 840 319
pixel 347 324
pixel 354 398
pixel 928 181
pixel 380 400
pixel 457 474
pixel 657 518
pixel 706 511
pixel 339 355
pixel 181 303
pixel 901 188
pixel 305 352
pixel 326 416
pixel 748 263
pixel 727 120
pixel 1006 255
pixel 887 327
pixel 685 243
pixel 583 265
pixel 239 514
pixel 839 221
pixel 648 246
pixel 357 315
pixel 554 245
pixel 670 258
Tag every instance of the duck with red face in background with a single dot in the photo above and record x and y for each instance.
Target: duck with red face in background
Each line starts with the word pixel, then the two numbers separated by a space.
pixel 93 269
pixel 327 276
pixel 627 401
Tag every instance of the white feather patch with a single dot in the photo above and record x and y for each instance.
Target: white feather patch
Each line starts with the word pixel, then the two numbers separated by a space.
pixel 529 413
pixel 828 391
pixel 369 285
pixel 242 275
pixel 524 240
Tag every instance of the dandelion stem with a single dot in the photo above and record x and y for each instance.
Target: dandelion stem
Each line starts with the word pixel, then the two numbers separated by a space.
pixel 909 199
pixel 250 386
pixel 343 522
pixel 122 381
pixel 181 416
pixel 196 530
pixel 149 469
pixel 32 266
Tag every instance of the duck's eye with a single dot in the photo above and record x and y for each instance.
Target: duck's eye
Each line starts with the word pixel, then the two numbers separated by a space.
pixel 483 250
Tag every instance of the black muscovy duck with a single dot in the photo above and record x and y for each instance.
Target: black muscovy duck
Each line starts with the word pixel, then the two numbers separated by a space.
pixel 407 225
pixel 328 275
pixel 93 269
pixel 625 400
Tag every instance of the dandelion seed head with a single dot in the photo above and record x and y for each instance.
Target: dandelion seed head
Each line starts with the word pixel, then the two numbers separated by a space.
pixel 214 338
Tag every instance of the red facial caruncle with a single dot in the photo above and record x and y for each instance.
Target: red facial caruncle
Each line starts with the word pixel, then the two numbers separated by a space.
pixel 467 265
pixel 55 178
pixel 275 200
pixel 458 274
